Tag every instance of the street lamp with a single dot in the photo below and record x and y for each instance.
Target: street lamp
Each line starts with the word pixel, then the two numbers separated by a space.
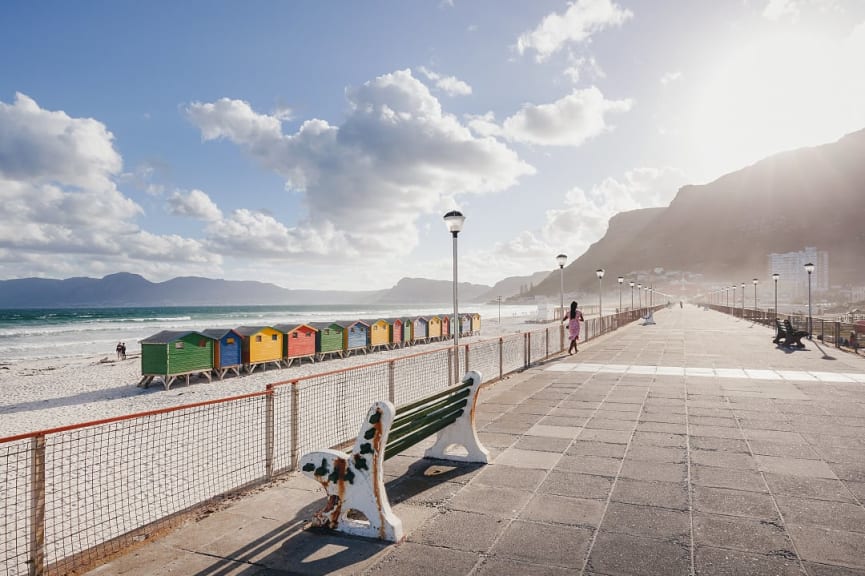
pixel 561 259
pixel 743 300
pixel 632 294
pixel 499 298
pixel 775 278
pixel 640 297
pixel 600 273
pixel 755 281
pixel 621 279
pixel 809 268
pixel 454 221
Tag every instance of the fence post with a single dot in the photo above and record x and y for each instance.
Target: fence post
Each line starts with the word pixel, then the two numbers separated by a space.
pixel 467 364
pixel 837 331
pixel 501 358
pixel 450 366
pixel 295 424
pixel 528 349
pixel 268 431
pixel 547 343
pixel 37 506
pixel 391 383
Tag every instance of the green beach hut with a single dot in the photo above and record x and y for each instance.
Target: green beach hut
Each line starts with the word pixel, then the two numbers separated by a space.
pixel 173 354
pixel 328 339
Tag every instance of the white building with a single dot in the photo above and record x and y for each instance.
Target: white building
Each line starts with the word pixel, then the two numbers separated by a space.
pixel 790 266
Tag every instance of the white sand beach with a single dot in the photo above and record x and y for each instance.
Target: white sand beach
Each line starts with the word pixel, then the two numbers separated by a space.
pixel 44 394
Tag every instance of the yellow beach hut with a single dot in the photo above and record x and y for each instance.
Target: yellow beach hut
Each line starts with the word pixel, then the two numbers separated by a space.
pixel 434 328
pixel 262 345
pixel 379 334
pixel 476 323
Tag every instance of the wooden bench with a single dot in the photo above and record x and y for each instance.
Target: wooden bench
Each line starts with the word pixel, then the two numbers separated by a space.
pixel 354 481
pixel 789 335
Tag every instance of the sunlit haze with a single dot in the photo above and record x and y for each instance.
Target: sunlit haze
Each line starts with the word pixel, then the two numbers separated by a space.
pixel 318 145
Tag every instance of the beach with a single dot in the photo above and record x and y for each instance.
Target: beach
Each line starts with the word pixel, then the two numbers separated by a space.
pixel 40 394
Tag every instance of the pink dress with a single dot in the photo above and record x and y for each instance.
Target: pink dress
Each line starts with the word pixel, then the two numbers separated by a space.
pixel 574 326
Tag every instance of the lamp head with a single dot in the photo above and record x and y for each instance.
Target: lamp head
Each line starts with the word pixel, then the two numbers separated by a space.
pixel 454 221
pixel 632 284
pixel 775 277
pixel 561 259
pixel 600 273
pixel 755 281
pixel 621 279
pixel 809 267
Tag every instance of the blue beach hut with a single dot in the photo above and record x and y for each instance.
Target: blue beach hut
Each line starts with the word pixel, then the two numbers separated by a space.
pixel 227 350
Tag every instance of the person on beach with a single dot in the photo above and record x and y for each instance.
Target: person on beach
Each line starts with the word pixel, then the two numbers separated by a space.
pixel 118 348
pixel 123 350
pixel 573 319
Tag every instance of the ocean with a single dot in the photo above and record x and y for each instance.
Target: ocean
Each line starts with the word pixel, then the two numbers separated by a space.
pixel 31 334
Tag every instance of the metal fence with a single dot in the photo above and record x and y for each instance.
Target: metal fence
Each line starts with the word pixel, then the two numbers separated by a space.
pixel 841 334
pixel 72 496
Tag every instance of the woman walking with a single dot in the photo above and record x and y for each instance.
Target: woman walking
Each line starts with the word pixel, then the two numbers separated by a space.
pixel 573 319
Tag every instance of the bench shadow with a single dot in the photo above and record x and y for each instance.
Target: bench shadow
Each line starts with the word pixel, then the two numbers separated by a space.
pixel 825 356
pixel 298 549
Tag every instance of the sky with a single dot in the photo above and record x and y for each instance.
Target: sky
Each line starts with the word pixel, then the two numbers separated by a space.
pixel 318 145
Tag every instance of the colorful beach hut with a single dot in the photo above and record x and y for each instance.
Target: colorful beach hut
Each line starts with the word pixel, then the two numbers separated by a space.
pixel 407 331
pixel 396 332
pixel 379 334
pixel 328 339
pixel 419 329
pixel 465 324
pixel 262 345
pixel 173 354
pixel 227 350
pixel 434 328
pixel 446 326
pixel 298 342
pixel 476 323
pixel 355 336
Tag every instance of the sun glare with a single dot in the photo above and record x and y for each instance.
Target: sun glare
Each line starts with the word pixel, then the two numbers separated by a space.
pixel 775 92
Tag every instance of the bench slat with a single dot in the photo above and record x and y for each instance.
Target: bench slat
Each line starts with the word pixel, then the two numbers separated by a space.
pixel 420 411
pixel 422 433
pixel 423 420
pixel 453 390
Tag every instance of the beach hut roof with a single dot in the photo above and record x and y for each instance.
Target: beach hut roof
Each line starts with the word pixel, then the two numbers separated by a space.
pixel 324 325
pixel 371 321
pixel 286 328
pixel 219 333
pixel 167 336
pixel 350 323
pixel 250 330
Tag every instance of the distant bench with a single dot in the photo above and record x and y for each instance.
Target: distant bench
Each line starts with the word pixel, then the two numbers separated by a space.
pixel 354 481
pixel 789 335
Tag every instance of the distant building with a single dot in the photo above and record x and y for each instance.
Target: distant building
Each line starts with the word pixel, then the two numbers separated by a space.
pixel 793 281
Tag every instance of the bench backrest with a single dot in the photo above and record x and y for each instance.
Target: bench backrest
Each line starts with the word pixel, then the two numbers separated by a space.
pixel 416 421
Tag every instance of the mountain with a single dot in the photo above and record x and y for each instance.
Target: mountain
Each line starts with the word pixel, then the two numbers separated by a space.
pixel 423 291
pixel 124 289
pixel 725 230
pixel 513 286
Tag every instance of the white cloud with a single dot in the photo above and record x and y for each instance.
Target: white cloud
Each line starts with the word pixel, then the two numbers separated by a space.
pixel 792 9
pixel 450 85
pixel 670 77
pixel 582 219
pixel 63 213
pixel 580 64
pixel 569 121
pixel 484 124
pixel 580 21
pixel 365 183
pixel 193 204
pixel 45 146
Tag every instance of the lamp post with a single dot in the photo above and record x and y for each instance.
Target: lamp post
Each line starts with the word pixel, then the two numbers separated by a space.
pixel 499 298
pixel 621 279
pixel 775 278
pixel 561 259
pixel 600 273
pixel 755 281
pixel 809 268
pixel 632 294
pixel 743 300
pixel 640 297
pixel 454 221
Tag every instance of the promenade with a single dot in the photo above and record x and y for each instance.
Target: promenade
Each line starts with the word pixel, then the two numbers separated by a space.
pixel 692 446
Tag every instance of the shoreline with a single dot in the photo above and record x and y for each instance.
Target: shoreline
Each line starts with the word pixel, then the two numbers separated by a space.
pixel 53 392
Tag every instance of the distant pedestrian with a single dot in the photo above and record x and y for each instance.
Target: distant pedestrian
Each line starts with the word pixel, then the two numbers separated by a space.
pixel 573 319
pixel 123 350
pixel 118 349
